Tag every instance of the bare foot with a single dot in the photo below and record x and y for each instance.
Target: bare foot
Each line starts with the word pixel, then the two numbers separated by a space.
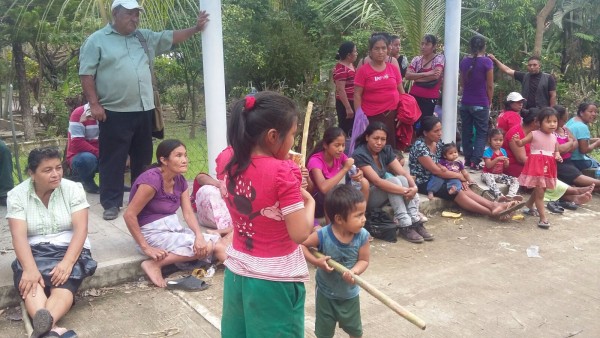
pixel 59 330
pixel 583 199
pixel 153 271
pixel 591 187
pixel 503 198
pixel 452 190
pixel 430 195
pixel 583 190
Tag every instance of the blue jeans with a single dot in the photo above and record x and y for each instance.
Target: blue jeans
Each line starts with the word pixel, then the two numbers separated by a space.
pixel 435 183
pixel 85 165
pixel 474 117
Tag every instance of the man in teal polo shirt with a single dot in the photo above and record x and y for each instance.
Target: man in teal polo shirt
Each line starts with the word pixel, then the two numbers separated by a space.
pixel 116 80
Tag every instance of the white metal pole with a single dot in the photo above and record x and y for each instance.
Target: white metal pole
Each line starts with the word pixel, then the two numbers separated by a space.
pixel 214 82
pixel 452 54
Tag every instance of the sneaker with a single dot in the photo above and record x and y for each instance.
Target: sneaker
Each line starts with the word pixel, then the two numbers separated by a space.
pixel 420 229
pixel 409 234
pixel 111 213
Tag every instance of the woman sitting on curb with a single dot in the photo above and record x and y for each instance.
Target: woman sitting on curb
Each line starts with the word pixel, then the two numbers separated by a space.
pixel 390 183
pixel 48 220
pixel 328 166
pixel 425 154
pixel 152 220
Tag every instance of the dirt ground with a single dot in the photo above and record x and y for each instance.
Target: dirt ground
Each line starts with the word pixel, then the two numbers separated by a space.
pixel 474 280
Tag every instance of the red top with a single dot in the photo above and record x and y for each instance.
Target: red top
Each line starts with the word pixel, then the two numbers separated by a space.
pixel 82 136
pixel 258 200
pixel 507 120
pixel 514 167
pixel 343 73
pixel 380 89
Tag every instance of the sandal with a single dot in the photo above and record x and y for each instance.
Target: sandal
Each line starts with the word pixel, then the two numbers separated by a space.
pixel 189 283
pixel 555 208
pixel 69 334
pixel 510 207
pixel 531 212
pixel 544 224
pixel 42 323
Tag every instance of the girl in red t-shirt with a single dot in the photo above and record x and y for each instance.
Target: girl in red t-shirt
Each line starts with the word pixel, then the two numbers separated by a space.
pixel 265 270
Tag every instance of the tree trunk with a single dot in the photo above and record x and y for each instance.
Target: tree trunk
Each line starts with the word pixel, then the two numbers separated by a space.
pixel 540 26
pixel 26 111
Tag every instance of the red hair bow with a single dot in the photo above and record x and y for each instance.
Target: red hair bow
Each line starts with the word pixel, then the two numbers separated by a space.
pixel 250 101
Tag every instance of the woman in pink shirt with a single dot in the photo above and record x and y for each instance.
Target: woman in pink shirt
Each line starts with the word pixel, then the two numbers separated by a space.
pixel 377 87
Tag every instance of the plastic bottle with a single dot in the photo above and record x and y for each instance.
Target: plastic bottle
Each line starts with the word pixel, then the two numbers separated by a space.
pixel 353 171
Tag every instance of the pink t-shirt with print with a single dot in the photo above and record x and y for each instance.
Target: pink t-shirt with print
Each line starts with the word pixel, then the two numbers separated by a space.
pixel 380 89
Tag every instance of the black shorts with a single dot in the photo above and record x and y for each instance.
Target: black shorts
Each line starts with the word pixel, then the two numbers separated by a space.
pixel 442 193
pixel 567 171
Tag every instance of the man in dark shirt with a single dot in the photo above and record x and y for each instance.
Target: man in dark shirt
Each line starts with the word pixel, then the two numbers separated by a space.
pixel 539 88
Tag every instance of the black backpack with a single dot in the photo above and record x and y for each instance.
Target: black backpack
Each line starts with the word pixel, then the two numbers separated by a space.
pixel 380 225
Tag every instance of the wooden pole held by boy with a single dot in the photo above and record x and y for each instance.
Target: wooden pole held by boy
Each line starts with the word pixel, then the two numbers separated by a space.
pixel 375 292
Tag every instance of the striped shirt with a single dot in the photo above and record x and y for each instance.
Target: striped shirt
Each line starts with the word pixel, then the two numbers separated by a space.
pixel 52 224
pixel 83 133
pixel 258 200
pixel 344 73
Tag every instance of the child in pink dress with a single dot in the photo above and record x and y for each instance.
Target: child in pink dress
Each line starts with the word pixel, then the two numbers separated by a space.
pixel 539 172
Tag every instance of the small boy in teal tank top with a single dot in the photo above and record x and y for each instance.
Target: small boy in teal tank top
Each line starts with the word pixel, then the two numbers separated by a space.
pixel 347 242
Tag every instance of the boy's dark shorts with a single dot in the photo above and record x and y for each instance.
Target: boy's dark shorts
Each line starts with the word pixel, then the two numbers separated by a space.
pixel 331 311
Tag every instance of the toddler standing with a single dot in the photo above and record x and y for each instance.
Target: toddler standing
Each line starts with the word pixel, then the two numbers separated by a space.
pixel 345 241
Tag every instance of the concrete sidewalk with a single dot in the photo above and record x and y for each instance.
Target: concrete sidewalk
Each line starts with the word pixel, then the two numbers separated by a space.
pixel 115 250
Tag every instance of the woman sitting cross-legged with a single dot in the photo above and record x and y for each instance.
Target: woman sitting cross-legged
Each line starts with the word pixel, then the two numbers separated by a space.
pixel 389 182
pixel 152 220
pixel 425 154
pixel 48 220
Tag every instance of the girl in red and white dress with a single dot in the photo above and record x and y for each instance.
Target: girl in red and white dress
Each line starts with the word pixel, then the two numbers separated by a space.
pixel 539 172
pixel 265 271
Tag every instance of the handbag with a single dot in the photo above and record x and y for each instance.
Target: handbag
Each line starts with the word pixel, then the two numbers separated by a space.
pixel 427 84
pixel 158 124
pixel 380 225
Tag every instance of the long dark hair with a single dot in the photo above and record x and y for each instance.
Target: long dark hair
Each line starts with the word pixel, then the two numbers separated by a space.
pixel 164 149
pixel 345 48
pixel 476 45
pixel 371 128
pixel 251 118
pixel 329 136
pixel 529 115
pixel 583 106
pixel 427 124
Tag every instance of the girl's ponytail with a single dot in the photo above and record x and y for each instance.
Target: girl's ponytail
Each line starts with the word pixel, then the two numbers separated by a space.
pixel 251 118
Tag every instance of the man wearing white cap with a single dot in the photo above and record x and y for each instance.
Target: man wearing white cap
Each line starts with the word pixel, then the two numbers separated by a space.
pixel 116 80
pixel 538 88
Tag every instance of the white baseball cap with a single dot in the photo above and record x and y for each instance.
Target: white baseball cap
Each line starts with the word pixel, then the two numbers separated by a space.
pixel 515 97
pixel 128 4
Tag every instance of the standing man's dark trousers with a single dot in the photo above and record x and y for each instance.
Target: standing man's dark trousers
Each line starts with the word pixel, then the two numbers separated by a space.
pixel 122 134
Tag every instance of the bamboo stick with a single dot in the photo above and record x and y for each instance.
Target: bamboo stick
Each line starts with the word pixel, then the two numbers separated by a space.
pixel 387 301
pixel 26 320
pixel 309 109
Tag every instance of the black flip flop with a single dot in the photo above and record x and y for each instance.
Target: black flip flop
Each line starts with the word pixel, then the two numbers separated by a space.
pixel 69 334
pixel 51 334
pixel 568 205
pixel 189 283
pixel 555 208
pixel 42 323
